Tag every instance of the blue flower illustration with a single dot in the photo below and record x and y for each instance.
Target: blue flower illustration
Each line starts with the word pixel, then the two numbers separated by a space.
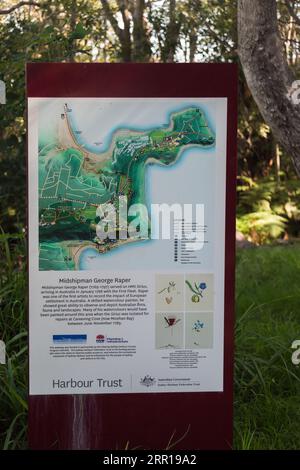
pixel 198 325
pixel 202 285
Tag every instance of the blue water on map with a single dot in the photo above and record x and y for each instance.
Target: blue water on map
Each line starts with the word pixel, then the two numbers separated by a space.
pixel 75 125
pixel 182 182
pixel 91 260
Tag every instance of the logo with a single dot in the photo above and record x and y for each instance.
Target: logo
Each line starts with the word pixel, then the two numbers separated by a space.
pixel 148 381
pixel 109 339
pixel 100 339
pixel 69 339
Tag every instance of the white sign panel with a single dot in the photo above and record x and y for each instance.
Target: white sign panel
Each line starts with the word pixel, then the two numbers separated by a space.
pixel 126 244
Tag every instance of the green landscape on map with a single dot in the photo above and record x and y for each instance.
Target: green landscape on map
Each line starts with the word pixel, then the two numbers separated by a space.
pixel 73 181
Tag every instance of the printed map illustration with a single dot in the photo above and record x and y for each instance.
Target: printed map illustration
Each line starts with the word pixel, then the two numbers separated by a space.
pixel 74 181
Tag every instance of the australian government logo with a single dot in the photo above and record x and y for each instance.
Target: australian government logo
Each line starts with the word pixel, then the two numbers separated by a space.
pixel 148 381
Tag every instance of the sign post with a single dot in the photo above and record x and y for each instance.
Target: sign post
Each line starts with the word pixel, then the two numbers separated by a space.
pixel 131 193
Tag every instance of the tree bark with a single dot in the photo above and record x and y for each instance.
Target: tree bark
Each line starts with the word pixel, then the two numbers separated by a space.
pixel 267 73
pixel 172 35
pixel 125 38
pixel 141 44
pixel 193 44
pixel 72 41
pixel 122 34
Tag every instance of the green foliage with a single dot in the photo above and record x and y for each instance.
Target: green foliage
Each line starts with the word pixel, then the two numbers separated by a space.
pixel 267 384
pixel 13 327
pixel 261 227
pixel 79 32
pixel 55 32
pixel 267 209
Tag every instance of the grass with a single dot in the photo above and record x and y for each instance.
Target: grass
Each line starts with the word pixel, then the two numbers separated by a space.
pixel 267 384
pixel 13 376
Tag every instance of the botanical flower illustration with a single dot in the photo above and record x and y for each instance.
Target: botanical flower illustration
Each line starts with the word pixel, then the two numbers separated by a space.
pixel 198 325
pixel 171 320
pixel 169 291
pixel 197 290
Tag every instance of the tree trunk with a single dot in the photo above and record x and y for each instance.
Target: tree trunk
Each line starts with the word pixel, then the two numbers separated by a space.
pixel 267 72
pixel 141 45
pixel 72 41
pixel 122 34
pixel 193 44
pixel 172 35
pixel 125 38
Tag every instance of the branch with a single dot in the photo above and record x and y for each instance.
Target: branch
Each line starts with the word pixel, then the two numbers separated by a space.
pixel 122 34
pixel 82 51
pixel 224 42
pixel 292 12
pixel 19 5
